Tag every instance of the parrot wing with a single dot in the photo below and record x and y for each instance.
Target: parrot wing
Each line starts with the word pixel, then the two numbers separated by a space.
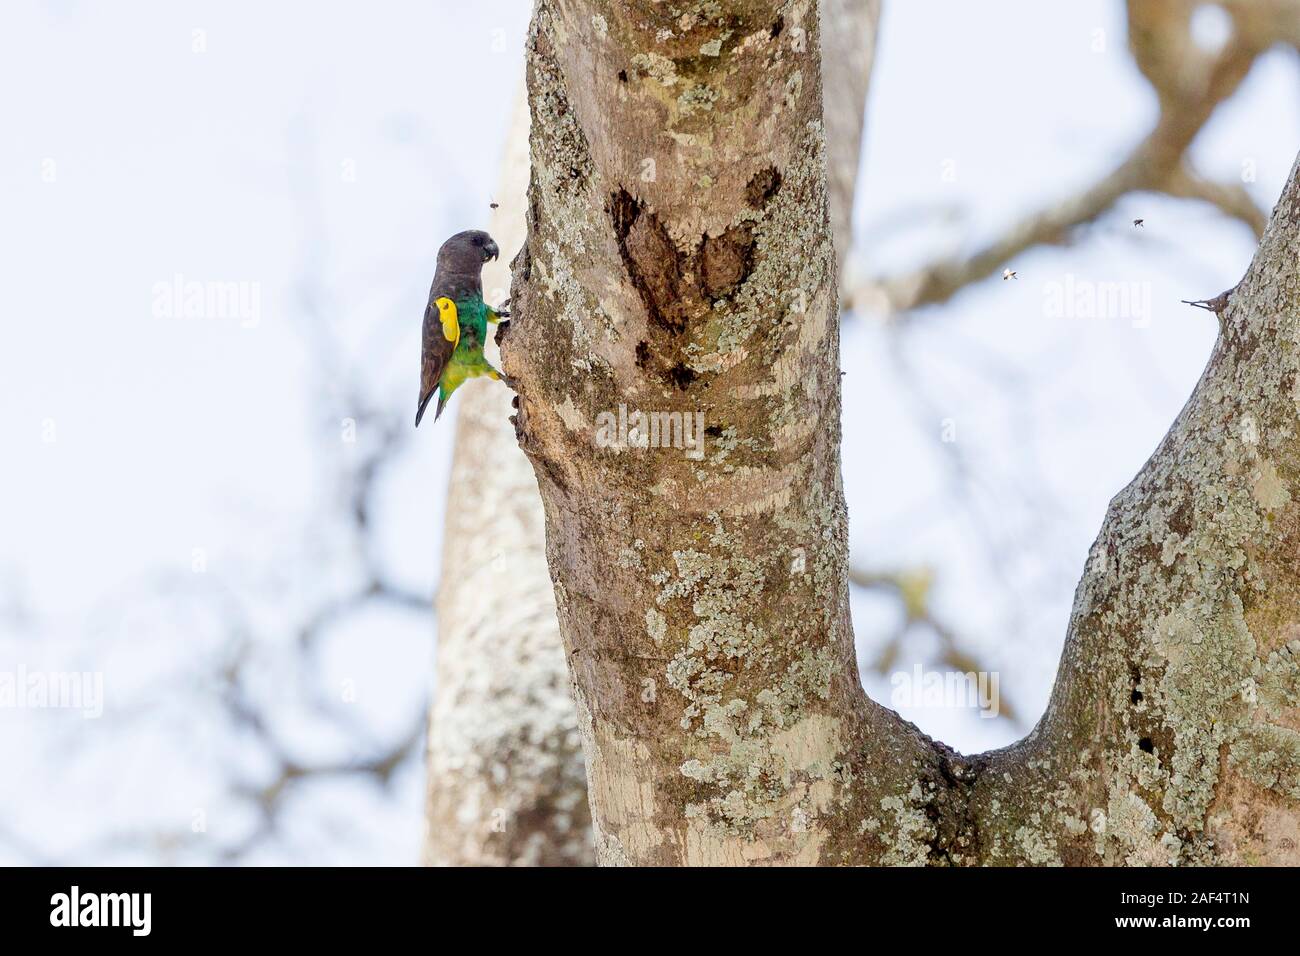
pixel 441 334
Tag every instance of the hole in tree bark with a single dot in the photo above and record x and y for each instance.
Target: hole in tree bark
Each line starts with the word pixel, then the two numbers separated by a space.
pixel 726 260
pixel 1135 677
pixel 763 185
pixel 675 286
pixel 682 375
pixel 652 261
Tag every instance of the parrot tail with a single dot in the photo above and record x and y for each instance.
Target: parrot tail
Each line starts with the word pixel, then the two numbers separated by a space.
pixel 424 403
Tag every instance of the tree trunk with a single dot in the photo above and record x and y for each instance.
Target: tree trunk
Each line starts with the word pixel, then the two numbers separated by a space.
pixel 848 54
pixel 507 784
pixel 679 260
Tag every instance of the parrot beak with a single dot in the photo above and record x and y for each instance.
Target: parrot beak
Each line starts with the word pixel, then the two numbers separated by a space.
pixel 490 251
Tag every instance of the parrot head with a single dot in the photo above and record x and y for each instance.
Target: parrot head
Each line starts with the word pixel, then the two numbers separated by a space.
pixel 467 251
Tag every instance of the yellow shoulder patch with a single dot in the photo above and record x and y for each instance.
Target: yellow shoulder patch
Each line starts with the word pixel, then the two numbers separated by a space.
pixel 450 320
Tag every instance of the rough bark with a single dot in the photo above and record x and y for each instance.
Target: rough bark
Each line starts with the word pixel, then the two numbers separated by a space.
pixel 507 785
pixel 703 603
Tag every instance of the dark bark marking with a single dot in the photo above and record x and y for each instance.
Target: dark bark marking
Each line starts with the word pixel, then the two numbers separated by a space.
pixel 682 375
pixel 1180 522
pixel 762 186
pixel 956 826
pixel 652 261
pixel 675 286
pixel 726 260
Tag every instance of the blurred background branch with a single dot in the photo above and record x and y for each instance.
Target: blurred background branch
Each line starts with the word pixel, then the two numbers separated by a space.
pixel 1190 83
